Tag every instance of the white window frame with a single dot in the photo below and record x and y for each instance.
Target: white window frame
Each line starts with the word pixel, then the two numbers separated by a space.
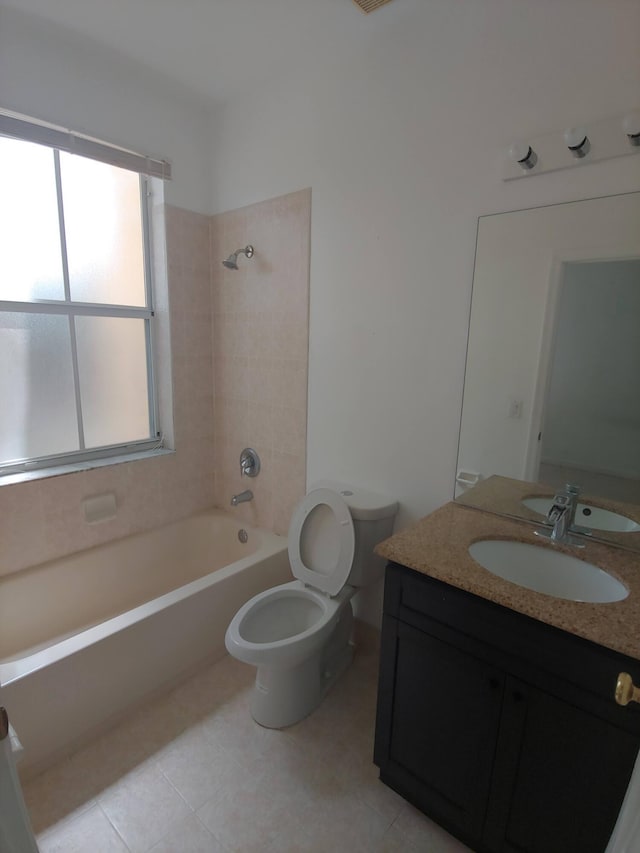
pixel 60 140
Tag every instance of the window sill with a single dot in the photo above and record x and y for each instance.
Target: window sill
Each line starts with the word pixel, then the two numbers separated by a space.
pixel 75 467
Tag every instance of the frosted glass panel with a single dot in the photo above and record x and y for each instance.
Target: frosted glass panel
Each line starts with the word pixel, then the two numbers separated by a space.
pixel 103 224
pixel 37 410
pixel 113 379
pixel 30 258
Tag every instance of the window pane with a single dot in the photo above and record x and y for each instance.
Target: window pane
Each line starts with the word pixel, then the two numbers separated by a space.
pixel 38 411
pixel 30 258
pixel 103 225
pixel 112 363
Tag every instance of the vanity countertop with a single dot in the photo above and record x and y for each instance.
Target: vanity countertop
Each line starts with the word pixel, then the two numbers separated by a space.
pixel 437 546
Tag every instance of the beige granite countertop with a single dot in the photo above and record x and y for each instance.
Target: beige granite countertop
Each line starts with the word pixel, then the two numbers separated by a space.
pixel 437 546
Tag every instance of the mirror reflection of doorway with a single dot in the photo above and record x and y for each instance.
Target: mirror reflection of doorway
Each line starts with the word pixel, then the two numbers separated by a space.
pixel 591 423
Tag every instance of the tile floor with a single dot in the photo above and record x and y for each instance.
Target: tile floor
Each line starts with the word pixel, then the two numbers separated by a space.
pixel 192 773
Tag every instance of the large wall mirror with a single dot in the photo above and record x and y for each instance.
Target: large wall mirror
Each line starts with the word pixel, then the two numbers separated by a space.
pixel 552 383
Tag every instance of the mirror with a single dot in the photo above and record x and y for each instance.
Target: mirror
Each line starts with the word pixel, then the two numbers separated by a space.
pixel 552 382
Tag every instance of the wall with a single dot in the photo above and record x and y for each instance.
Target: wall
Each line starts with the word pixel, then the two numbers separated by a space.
pixel 260 349
pixel 401 144
pixel 47 73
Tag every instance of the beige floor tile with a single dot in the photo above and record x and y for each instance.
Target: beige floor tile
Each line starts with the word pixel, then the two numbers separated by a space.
pixel 362 777
pixel 250 811
pixel 393 841
pixel 56 794
pixel 188 836
pixel 233 728
pixel 90 831
pixel 345 825
pixel 143 808
pixel 423 833
pixel 196 766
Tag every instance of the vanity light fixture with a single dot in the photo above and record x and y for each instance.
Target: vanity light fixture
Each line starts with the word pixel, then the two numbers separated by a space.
pixel 524 155
pixel 631 126
pixel 577 141
pixel 580 145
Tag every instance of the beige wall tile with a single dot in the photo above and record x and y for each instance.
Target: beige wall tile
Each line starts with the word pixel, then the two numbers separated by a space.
pixel 261 311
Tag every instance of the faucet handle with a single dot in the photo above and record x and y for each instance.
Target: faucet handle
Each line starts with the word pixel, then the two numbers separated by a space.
pixel 572 489
pixel 249 463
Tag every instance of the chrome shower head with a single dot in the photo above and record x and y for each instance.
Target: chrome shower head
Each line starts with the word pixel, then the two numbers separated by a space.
pixel 231 262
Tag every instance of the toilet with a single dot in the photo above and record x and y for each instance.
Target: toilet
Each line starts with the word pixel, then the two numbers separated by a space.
pixel 298 634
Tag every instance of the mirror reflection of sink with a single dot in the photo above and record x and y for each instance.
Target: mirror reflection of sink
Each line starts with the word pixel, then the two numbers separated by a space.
pixel 588 516
pixel 545 570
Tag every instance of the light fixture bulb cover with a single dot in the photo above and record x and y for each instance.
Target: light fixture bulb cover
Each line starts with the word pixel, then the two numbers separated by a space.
pixel 575 137
pixel 523 154
pixel 520 151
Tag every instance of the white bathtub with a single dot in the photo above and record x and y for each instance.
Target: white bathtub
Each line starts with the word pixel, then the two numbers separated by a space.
pixel 86 636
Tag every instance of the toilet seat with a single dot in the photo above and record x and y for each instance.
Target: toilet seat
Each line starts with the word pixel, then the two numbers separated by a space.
pixel 322 543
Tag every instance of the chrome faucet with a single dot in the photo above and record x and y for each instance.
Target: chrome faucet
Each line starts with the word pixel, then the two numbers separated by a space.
pixel 242 498
pixel 562 515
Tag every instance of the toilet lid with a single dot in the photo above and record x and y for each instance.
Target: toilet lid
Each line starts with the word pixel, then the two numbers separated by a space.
pixel 322 541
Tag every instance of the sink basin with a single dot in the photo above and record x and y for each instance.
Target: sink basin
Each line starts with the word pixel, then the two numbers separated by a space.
pixel 548 571
pixel 589 516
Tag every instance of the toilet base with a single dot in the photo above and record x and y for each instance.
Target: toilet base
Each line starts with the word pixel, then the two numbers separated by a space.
pixel 283 696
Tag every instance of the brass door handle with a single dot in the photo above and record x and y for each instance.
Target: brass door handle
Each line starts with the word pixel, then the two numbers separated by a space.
pixel 626 691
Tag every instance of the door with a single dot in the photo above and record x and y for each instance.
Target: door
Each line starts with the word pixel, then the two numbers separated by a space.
pixel 560 776
pixel 444 722
pixel 15 828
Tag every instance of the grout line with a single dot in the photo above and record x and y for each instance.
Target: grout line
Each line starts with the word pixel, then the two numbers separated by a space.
pixel 212 834
pixel 114 827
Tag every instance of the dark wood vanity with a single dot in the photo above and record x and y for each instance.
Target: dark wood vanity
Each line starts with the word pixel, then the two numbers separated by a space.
pixel 501 728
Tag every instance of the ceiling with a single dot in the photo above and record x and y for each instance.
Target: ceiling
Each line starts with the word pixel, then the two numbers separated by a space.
pixel 217 49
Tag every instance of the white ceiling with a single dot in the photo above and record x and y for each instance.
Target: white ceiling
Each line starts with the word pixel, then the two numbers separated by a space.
pixel 218 49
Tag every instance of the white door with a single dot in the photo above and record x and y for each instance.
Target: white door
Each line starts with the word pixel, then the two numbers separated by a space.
pixel 15 828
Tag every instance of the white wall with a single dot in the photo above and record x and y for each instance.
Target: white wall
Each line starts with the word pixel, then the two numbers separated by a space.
pixel 47 73
pixel 401 144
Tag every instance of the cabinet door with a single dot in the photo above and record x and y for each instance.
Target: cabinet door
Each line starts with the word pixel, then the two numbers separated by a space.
pixel 445 711
pixel 560 776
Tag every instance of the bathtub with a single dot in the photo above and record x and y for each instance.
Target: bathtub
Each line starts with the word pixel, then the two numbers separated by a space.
pixel 86 636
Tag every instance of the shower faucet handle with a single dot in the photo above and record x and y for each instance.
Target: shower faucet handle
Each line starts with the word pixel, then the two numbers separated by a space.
pixel 249 463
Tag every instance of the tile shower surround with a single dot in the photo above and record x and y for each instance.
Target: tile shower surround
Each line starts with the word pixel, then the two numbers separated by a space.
pixel 252 373
pixel 260 354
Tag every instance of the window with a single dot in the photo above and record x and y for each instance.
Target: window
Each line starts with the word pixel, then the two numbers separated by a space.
pixel 76 312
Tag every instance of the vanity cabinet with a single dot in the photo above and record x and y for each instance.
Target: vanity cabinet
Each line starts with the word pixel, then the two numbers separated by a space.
pixel 501 728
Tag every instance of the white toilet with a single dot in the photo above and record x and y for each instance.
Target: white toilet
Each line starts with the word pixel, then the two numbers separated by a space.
pixel 298 634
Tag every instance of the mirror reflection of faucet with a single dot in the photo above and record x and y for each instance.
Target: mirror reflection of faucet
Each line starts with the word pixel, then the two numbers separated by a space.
pixel 561 516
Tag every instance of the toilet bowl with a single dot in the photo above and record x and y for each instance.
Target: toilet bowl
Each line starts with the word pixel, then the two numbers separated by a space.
pixel 298 634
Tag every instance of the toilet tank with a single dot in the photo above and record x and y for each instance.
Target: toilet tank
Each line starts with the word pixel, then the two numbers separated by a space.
pixel 373 516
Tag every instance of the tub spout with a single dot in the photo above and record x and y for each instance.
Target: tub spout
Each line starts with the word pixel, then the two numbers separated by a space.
pixel 243 497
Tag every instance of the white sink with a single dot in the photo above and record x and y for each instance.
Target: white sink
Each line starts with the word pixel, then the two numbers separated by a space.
pixel 588 516
pixel 548 571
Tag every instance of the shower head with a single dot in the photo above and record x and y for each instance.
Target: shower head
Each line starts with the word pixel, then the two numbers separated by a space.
pixel 231 262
